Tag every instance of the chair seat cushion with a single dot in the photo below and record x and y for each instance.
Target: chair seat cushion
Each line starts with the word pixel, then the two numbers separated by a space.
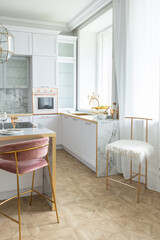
pixel 131 149
pixel 23 166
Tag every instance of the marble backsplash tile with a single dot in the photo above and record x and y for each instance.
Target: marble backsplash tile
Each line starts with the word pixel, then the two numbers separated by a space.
pixel 13 100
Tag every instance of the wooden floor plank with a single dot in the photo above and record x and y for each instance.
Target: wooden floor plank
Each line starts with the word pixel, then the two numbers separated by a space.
pixel 86 210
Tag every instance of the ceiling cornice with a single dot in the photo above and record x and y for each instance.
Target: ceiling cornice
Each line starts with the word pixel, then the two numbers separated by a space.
pixel 81 17
pixel 87 12
pixel 34 23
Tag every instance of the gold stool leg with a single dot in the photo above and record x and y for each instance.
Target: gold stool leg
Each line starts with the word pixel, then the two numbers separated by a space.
pixel 131 172
pixel 19 212
pixel 139 177
pixel 32 187
pixel 107 172
pixel 146 175
pixel 54 199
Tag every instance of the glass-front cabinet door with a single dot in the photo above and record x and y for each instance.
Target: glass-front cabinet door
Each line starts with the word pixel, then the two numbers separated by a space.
pixel 66 85
pixel 16 73
pixel 66 49
pixel 66 77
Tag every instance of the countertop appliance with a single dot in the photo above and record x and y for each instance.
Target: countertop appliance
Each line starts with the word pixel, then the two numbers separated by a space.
pixel 19 125
pixel 45 101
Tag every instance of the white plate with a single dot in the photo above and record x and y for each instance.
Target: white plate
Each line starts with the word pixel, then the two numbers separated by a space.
pixel 11 131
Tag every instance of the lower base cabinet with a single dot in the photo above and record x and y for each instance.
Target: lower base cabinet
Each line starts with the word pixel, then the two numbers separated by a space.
pixel 79 138
pixel 66 135
pixel 76 136
pixel 88 144
pixel 52 122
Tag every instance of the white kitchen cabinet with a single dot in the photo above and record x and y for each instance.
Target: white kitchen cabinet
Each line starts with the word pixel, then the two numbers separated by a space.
pixel 66 72
pixel 53 123
pixel 23 43
pixel 17 72
pixel 66 132
pixel 44 45
pixel 44 71
pixel 66 85
pixel 79 138
pixel 88 142
pixel 67 47
pixel 75 135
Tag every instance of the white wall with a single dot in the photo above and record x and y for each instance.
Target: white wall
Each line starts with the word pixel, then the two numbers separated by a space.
pixel 87 67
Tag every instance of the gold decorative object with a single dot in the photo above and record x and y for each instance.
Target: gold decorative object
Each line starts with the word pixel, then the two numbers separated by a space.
pixel 14 120
pixel 93 97
pixel 112 111
pixel 6 44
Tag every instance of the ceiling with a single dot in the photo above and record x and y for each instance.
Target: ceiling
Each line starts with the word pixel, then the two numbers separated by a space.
pixel 100 23
pixel 51 12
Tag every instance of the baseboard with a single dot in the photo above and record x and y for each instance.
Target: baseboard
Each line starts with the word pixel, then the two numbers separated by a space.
pixel 5 195
pixel 59 147
pixel 80 159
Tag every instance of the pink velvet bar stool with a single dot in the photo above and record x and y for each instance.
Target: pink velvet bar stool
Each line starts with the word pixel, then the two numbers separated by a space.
pixel 21 158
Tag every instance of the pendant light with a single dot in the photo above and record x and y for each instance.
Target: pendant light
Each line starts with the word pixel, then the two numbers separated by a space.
pixel 6 44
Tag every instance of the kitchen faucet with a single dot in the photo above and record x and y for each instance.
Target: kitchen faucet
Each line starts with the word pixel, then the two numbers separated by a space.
pixel 93 97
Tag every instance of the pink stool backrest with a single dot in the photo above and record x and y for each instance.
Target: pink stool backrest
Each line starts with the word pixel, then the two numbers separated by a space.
pixel 26 155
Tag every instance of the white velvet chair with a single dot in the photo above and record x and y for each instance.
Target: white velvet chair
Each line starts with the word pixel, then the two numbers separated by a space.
pixel 133 150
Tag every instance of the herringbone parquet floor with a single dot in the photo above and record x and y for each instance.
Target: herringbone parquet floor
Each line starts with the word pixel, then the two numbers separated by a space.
pixel 86 210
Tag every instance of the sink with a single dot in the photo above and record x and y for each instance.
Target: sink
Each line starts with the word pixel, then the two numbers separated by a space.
pixel 81 114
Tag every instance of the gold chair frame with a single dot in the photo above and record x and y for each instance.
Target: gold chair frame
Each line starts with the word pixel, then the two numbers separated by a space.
pixel 131 172
pixel 30 191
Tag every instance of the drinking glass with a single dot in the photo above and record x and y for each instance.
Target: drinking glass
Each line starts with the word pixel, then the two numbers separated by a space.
pixel 14 120
pixel 3 119
pixel 112 111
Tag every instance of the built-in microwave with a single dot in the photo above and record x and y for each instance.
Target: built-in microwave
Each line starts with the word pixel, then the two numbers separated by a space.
pixel 45 100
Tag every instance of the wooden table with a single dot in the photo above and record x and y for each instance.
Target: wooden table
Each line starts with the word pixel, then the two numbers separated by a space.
pixel 38 132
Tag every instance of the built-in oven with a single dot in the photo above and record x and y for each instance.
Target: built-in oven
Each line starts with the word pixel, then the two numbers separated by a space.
pixel 45 100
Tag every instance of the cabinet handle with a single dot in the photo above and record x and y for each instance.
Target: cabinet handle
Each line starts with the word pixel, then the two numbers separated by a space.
pixel 88 123
pixel 74 119
pixel 65 117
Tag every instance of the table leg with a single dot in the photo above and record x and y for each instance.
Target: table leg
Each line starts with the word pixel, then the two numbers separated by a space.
pixel 54 167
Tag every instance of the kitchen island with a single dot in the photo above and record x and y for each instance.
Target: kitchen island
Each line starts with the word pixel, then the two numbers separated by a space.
pixel 32 130
pixel 86 137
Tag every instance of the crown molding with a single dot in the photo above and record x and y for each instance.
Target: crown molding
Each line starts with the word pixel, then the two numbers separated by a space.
pixel 81 17
pixel 87 12
pixel 34 24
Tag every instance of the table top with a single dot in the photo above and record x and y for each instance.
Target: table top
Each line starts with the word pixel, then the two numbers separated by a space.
pixel 34 132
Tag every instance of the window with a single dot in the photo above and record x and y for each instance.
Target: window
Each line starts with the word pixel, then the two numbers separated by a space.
pixel 95 61
pixel 104 78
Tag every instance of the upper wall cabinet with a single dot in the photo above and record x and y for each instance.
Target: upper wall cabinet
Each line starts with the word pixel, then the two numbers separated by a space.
pixel 66 76
pixel 44 45
pixel 44 71
pixel 23 43
pixel 67 47
pixel 16 72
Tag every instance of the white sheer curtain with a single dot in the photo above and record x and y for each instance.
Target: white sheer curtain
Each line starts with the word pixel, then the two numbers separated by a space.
pixel 137 67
